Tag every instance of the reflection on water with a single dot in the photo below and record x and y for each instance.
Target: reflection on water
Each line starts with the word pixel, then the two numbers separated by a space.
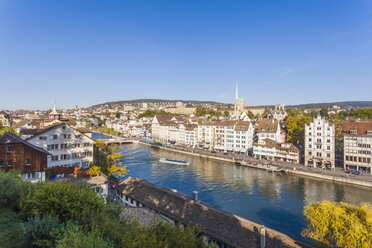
pixel 274 200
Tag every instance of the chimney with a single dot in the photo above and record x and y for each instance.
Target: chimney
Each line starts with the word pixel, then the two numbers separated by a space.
pixel 195 195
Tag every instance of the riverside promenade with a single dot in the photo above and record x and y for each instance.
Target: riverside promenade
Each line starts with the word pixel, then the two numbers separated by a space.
pixel 337 175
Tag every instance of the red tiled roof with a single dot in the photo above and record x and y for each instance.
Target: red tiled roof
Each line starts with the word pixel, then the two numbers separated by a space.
pixel 361 127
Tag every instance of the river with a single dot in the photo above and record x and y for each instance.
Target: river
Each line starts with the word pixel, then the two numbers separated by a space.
pixel 271 199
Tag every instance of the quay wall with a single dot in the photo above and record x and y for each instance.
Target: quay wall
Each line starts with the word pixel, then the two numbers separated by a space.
pixel 331 178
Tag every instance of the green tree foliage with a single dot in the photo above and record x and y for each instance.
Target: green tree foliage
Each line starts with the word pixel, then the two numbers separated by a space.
pixel 152 113
pixel 324 112
pixel 296 129
pixel 12 190
pixel 44 231
pixel 76 237
pixel 65 201
pixel 250 115
pixel 7 129
pixel 291 112
pixel 201 111
pixel 226 113
pixel 339 224
pixel 12 233
pixel 363 113
pixel 66 215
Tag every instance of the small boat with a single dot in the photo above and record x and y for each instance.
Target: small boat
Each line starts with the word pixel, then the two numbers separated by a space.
pixel 173 161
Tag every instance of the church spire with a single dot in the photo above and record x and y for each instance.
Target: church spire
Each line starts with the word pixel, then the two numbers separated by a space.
pixel 236 93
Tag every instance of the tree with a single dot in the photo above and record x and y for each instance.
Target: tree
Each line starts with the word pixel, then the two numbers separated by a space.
pixel 109 159
pixel 200 111
pixel 226 113
pixel 76 237
pixel 324 112
pixel 250 115
pixel 65 201
pixel 94 170
pixel 339 224
pixel 296 129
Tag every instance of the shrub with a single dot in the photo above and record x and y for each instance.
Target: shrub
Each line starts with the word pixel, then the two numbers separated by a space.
pixel 66 201
pixel 76 237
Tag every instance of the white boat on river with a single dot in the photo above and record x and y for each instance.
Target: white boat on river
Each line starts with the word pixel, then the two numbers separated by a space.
pixel 173 161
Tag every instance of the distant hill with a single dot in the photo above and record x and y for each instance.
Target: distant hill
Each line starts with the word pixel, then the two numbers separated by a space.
pixel 346 104
pixel 138 101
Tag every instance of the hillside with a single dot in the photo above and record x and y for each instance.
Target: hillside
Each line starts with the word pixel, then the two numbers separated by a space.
pixel 345 104
pixel 138 101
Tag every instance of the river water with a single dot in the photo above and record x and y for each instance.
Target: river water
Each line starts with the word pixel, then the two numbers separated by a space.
pixel 267 198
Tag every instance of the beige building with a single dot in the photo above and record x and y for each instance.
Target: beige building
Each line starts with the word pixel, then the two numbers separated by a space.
pixel 271 150
pixel 181 109
pixel 358 145
pixel 320 143
pixel 269 129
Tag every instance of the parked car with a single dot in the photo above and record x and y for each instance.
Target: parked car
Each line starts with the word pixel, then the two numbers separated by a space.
pixel 356 172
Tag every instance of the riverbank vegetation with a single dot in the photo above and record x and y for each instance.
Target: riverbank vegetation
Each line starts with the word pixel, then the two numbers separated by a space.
pixel 64 215
pixel 338 224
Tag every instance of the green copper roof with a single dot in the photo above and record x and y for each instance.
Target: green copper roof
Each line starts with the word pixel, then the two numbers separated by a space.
pixel 54 112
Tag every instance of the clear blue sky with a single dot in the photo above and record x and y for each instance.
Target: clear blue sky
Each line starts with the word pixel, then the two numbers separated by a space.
pixel 87 52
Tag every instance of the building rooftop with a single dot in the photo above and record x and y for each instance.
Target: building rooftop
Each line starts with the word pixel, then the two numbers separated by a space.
pixel 223 226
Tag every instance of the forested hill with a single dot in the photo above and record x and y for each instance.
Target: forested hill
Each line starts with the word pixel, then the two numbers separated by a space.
pixel 346 104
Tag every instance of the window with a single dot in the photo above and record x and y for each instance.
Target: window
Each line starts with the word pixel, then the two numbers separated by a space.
pixel 328 141
pixel 328 155
pixel 9 149
pixel 310 153
pixel 353 131
pixel 28 162
pixel 1 163
pixel 10 163
pixel 55 158
pixel 43 138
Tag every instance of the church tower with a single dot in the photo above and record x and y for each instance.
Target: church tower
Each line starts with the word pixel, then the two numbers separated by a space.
pixel 54 115
pixel 236 102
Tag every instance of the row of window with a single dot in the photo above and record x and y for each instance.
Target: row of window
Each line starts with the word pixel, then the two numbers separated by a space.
pixel 358 159
pixel 52 147
pixel 72 156
pixel 319 154
pixel 9 163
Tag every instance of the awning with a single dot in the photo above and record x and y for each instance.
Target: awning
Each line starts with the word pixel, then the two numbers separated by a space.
pixel 318 161
pixel 310 160
pixel 328 162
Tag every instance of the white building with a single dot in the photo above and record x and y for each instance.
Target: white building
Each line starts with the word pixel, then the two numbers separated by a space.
pixel 320 143
pixel 206 134
pixel 269 129
pixel 67 146
pixel 239 136
pixel 358 145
